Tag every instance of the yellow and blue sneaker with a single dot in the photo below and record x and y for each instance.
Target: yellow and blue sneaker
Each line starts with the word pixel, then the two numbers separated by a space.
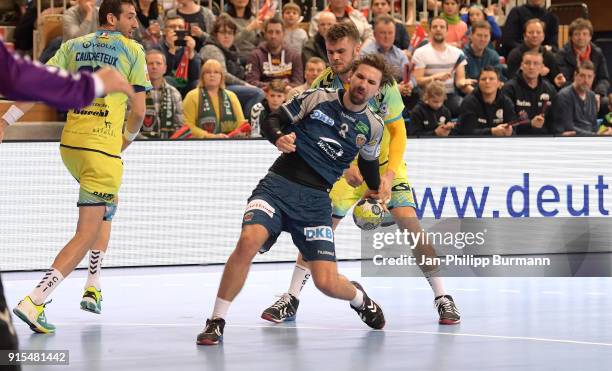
pixel 92 300
pixel 34 315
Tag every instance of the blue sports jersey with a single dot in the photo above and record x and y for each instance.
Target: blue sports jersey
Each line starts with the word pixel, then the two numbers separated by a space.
pixel 329 136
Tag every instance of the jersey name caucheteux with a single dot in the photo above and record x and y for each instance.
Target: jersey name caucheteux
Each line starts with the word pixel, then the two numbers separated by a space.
pixel 99 126
pixel 329 136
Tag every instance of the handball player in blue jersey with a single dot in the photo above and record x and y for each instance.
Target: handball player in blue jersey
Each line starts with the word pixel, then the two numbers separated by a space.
pixel 320 133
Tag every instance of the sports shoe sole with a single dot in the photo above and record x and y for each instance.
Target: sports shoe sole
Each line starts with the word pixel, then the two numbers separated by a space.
pixel 33 326
pixel 447 321
pixel 90 307
pixel 268 317
pixel 208 341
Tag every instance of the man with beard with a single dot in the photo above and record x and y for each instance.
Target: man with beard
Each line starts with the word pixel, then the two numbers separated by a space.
pixel 320 133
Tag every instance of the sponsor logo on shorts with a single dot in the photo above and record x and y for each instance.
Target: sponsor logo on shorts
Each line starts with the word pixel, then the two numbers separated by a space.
pixel 248 217
pixel 320 116
pixel 321 233
pixel 321 252
pixel 260 205
pixel 104 196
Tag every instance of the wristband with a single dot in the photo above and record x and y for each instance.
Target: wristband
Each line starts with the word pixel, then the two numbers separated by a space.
pixel 13 114
pixel 98 86
pixel 129 136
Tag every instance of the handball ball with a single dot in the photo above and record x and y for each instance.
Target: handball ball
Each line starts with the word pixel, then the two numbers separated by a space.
pixel 368 214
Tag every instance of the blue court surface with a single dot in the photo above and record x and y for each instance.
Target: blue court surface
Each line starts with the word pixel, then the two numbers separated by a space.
pixel 151 317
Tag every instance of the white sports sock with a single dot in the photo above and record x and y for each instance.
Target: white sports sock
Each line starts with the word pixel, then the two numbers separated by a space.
pixel 436 284
pixel 45 287
pixel 298 280
pixel 358 300
pixel 221 308
pixel 95 268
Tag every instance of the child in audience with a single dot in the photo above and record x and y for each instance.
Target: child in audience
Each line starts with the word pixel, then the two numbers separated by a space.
pixel 295 36
pixel 275 97
pixel 430 117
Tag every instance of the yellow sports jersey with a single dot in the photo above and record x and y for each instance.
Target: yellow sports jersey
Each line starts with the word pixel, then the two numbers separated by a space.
pixel 387 103
pixel 99 126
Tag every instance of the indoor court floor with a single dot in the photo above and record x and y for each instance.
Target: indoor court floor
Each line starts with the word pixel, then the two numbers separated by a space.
pixel 151 316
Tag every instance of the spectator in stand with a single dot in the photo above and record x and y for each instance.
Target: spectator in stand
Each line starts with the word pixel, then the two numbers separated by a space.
pixel 343 11
pixel 478 54
pixel 211 111
pixel 249 27
pixel 295 36
pixel 275 97
pixel 271 60
pixel 534 36
pixel 532 94
pixel 384 36
pixel 184 79
pixel 199 20
pixel 477 13
pixel 580 49
pixel 514 26
pixel 575 109
pixel 315 46
pixel 220 46
pixel 430 117
pixel 164 105
pixel 80 20
pixel 487 111
pixel 313 69
pixel 383 7
pixel 443 62
pixel 150 23
pixel 456 27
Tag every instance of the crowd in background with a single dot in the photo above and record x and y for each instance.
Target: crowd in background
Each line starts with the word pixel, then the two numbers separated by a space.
pixel 475 71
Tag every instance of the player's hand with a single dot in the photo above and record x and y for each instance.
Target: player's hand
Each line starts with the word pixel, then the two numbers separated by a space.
pixel 114 82
pixel 560 80
pixel 353 176
pixel 3 124
pixel 502 130
pixel 286 143
pixel 537 121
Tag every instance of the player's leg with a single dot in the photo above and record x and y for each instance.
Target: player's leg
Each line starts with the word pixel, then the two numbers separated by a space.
pixel 404 214
pixel 343 197
pixel 31 308
pixel 92 295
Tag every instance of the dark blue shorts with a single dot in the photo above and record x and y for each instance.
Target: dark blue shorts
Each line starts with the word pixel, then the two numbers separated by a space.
pixel 280 205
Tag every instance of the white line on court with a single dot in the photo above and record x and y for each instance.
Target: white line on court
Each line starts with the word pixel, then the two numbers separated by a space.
pixel 499 337
pixel 509 290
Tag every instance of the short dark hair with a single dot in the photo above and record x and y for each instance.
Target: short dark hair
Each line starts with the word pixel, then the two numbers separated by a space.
pixel 489 68
pixel 111 7
pixel 316 60
pixel 383 18
pixel 585 65
pixel 342 30
pixel 532 52
pixel 276 85
pixel 274 20
pixel 481 24
pixel 438 17
pixel 378 62
pixel 580 24
pixel 223 21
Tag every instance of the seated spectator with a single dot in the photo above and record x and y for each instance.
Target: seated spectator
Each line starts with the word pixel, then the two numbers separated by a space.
pixel 514 26
pixel 150 23
pixel 295 36
pixel 179 57
pixel 275 97
pixel 383 7
pixel 249 27
pixel 314 67
pixel 532 94
pixel 271 60
pixel 384 36
pixel 440 61
pixel 477 13
pixel 430 117
pixel 343 11
pixel 211 111
pixel 220 46
pixel 199 20
pixel 478 54
pixel 164 105
pixel 533 38
pixel 579 49
pixel 456 27
pixel 487 111
pixel 80 20
pixel 575 109
pixel 315 46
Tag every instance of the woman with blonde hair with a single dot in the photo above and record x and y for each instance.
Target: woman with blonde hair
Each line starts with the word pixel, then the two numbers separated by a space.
pixel 211 111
